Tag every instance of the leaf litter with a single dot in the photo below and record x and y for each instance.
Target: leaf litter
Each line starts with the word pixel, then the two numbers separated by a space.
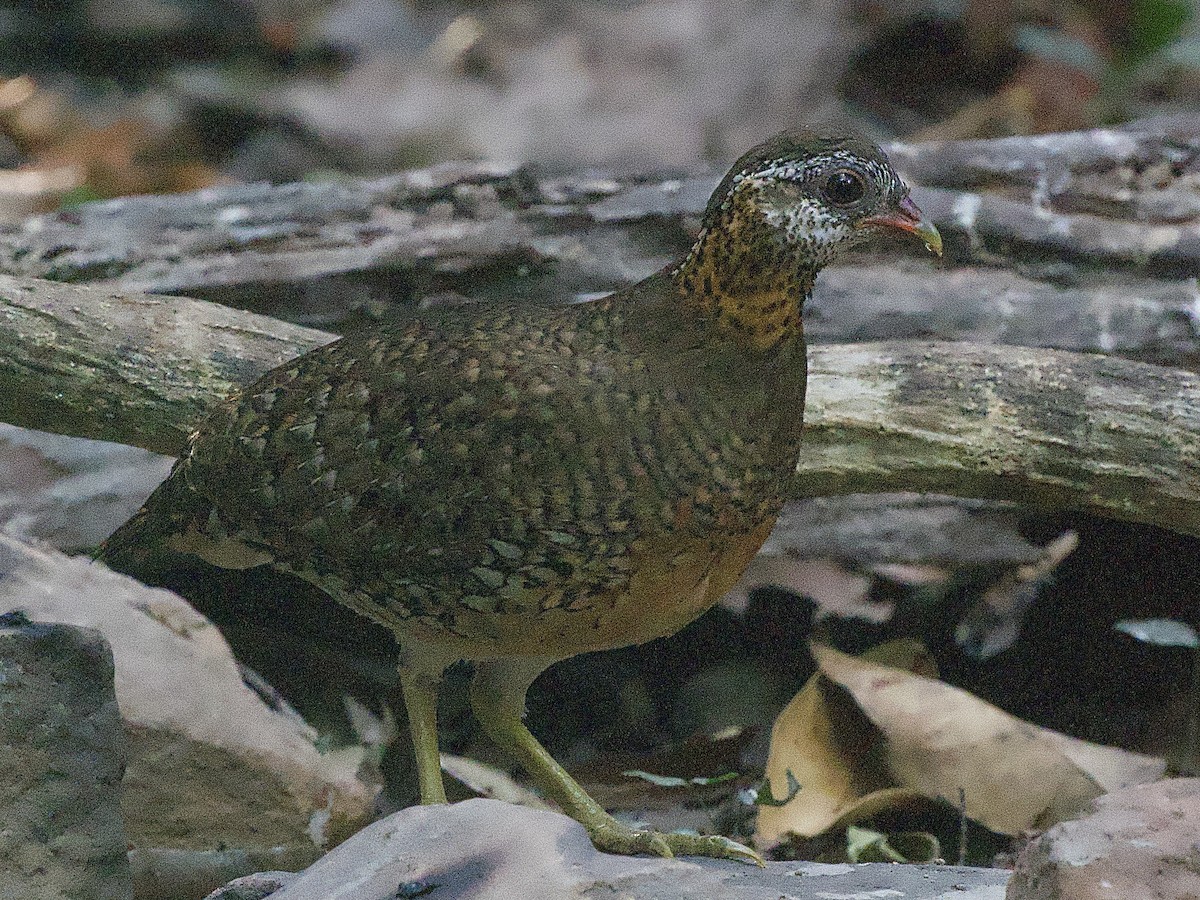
pixel 879 732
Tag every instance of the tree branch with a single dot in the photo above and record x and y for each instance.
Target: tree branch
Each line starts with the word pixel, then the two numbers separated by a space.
pixel 133 368
pixel 1063 430
pixel 1085 241
pixel 1110 436
pixel 1122 194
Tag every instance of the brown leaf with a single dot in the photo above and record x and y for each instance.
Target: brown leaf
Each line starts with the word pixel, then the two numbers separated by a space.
pixel 939 739
pixel 829 746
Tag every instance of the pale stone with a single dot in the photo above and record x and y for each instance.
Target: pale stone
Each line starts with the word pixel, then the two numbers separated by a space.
pixel 210 763
pixel 488 850
pixel 61 755
pixel 1140 843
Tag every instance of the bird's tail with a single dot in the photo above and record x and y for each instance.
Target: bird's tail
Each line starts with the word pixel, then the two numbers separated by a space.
pixel 169 511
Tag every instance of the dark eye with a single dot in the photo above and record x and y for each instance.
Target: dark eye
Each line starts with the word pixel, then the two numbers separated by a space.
pixel 844 187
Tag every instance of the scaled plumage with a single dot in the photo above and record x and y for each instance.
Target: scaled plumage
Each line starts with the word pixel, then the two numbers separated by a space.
pixel 522 485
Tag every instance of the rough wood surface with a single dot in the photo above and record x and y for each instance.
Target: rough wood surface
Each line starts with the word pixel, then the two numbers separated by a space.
pixel 1151 319
pixel 1062 430
pixel 1112 436
pixel 133 368
pixel 1084 241
pixel 1090 194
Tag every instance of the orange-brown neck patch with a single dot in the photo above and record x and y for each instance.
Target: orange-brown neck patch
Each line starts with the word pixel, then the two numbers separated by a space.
pixel 743 274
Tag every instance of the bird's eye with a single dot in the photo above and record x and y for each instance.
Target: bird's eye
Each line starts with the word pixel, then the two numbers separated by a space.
pixel 844 187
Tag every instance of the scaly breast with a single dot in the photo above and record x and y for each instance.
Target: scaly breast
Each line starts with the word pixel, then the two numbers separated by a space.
pixel 672 582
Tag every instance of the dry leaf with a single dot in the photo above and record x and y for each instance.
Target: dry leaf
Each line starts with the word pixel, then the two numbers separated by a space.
pixel 828 745
pixel 30 190
pixel 489 781
pixel 835 588
pixel 67 152
pixel 939 739
pixel 993 621
pixel 1111 768
pixel 870 733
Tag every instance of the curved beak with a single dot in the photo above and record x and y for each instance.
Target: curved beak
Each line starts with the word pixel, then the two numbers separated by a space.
pixel 908 217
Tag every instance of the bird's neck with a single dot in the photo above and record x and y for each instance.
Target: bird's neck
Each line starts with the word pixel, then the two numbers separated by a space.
pixel 750 285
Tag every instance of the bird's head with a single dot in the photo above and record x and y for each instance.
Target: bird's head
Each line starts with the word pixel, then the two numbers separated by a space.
pixel 810 194
pixel 785 210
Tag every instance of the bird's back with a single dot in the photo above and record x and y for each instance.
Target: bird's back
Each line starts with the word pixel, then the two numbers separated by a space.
pixel 524 485
pixel 495 480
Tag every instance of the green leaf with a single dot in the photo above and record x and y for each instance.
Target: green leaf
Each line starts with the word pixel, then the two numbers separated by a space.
pixel 866 845
pixel 660 780
pixel 1153 24
pixel 78 196
pixel 715 779
pixel 673 781
pixel 764 797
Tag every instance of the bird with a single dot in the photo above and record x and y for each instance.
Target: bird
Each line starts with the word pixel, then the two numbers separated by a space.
pixel 520 484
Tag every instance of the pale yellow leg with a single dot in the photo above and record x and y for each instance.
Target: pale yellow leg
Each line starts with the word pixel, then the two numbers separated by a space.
pixel 420 699
pixel 498 699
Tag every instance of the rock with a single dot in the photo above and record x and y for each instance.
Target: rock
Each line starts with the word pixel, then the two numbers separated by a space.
pixel 484 849
pixel 253 887
pixel 68 491
pixel 1139 844
pixel 62 753
pixel 192 874
pixel 210 764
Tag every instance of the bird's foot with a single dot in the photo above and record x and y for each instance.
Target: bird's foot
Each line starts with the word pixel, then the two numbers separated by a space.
pixel 613 837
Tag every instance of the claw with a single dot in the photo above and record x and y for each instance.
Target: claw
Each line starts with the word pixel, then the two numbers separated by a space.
pixel 614 838
pixel 734 850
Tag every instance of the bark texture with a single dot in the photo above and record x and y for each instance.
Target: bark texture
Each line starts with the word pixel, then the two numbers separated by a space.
pixel 1122 196
pixel 1057 429
pixel 1112 436
pixel 1086 241
pixel 1083 241
pixel 133 368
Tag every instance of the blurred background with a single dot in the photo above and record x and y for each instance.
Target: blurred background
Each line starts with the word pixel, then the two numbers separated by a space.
pixel 102 98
